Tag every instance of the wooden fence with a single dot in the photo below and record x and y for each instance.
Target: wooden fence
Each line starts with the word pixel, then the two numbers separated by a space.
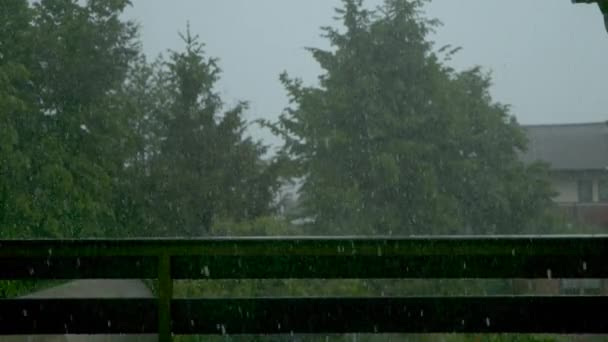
pixel 306 258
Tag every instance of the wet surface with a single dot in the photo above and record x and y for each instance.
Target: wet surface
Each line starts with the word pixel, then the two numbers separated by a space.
pixel 91 288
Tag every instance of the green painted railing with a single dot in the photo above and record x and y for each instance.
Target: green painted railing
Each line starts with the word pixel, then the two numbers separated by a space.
pixel 305 258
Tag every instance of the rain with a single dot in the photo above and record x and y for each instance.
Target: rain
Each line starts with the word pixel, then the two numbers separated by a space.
pixel 285 170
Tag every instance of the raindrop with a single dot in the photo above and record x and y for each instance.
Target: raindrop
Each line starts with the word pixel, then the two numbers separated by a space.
pixel 421 313
pixel 375 329
pixel 50 251
pixel 279 326
pixel 24 312
pixel 109 323
pixel 487 321
pixel 464 265
pixel 379 252
pixel 191 322
pixel 584 266
pixel 205 271
pixel 462 322
pixel 548 273
pixel 50 112
pixel 31 270
pixel 513 252
pixel 223 328
pixel 77 262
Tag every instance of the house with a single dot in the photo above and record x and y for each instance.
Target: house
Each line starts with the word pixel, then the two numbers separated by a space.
pixel 577 155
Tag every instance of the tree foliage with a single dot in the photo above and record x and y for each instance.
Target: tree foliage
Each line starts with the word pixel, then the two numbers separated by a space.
pixel 201 163
pixel 95 141
pixel 393 141
pixel 70 57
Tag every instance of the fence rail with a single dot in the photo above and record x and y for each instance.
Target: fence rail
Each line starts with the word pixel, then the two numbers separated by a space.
pixel 305 258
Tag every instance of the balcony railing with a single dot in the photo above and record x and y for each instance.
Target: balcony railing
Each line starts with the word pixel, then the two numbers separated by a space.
pixel 306 258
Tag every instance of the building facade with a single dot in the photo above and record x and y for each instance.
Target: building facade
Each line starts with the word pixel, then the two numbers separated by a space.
pixel 577 155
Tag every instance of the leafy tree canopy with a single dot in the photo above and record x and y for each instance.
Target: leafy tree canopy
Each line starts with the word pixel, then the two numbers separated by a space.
pixel 199 164
pixel 393 141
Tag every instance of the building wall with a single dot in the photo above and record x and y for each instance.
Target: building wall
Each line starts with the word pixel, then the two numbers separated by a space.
pixel 567 187
pixel 592 214
pixel 566 184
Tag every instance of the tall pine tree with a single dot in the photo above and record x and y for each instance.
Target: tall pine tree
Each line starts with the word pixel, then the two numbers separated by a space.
pixel 395 142
pixel 203 167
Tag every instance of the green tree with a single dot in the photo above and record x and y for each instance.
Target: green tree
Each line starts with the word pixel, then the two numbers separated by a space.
pixel 202 166
pixel 73 58
pixel 15 99
pixel 13 162
pixel 144 98
pixel 394 141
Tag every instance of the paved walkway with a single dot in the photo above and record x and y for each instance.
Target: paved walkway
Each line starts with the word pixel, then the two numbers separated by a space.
pixel 98 288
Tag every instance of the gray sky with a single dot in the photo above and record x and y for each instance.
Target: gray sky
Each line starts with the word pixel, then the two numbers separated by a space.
pixel 548 58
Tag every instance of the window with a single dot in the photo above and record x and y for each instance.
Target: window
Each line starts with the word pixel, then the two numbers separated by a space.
pixel 585 191
pixel 603 190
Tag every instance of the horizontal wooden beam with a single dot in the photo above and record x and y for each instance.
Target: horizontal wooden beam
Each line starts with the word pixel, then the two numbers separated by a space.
pixel 77 316
pixel 575 245
pixel 307 267
pixel 88 267
pixel 389 267
pixel 560 315
pixel 306 258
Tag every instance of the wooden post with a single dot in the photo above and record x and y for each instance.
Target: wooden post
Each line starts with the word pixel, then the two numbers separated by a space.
pixel 165 293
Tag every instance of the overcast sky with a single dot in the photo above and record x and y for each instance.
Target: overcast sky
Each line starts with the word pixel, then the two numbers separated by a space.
pixel 548 58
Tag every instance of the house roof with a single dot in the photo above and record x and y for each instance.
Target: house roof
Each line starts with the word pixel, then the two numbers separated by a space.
pixel 581 146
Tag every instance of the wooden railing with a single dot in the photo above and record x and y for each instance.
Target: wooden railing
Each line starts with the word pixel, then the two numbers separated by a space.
pixel 306 258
